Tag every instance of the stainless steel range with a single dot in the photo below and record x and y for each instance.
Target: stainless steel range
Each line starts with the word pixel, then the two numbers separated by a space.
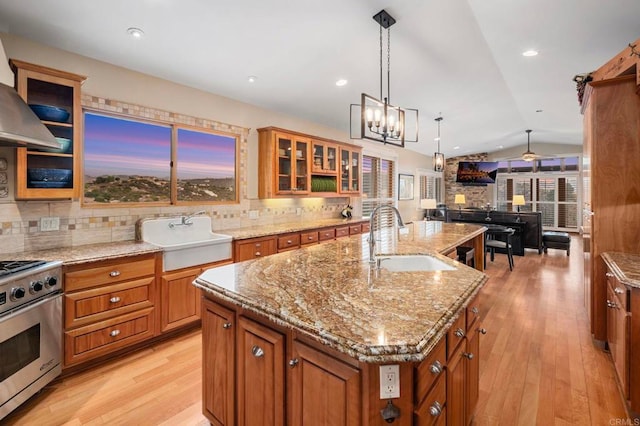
pixel 30 329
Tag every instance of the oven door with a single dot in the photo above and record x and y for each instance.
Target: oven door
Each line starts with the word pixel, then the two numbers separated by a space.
pixel 30 349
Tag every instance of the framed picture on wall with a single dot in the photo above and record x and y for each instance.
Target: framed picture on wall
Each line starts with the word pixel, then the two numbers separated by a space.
pixel 405 187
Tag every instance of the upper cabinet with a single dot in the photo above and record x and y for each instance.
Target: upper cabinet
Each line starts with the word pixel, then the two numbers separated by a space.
pixel 50 173
pixel 295 164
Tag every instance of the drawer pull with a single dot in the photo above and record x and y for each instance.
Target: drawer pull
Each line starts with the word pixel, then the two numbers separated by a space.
pixel 309 238
pixel 609 274
pixel 293 362
pixel 459 333
pixel 258 253
pixel 114 333
pixel 467 355
pixel 475 310
pixel 436 367
pixel 611 304
pixel 482 330
pixel 226 325
pixel 436 409
pixel 618 290
pixel 258 244
pixel 114 273
pixel 114 299
pixel 257 351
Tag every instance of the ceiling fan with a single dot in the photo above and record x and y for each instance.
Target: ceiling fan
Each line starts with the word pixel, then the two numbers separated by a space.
pixel 529 155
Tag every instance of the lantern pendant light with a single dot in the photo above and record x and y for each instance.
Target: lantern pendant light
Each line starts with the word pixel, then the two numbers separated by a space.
pixel 438 157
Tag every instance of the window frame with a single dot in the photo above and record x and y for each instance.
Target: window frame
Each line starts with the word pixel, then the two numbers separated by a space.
pixel 173 163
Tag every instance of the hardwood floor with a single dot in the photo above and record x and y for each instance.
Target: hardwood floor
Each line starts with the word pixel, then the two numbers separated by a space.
pixel 538 363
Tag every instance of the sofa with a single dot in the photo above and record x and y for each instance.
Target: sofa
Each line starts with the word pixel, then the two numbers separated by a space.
pixel 528 231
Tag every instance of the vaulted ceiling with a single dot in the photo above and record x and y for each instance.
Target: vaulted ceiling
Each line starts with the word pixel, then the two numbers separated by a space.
pixel 461 58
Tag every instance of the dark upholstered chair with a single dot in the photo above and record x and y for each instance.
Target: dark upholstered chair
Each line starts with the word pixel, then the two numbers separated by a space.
pixel 499 237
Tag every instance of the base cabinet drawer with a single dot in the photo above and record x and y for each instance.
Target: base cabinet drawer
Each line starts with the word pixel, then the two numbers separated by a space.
pixel 308 238
pixel 327 234
pixel 254 248
pixel 342 232
pixel 84 343
pixel 288 242
pixel 432 411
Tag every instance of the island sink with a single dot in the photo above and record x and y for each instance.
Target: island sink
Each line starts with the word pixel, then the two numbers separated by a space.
pixel 412 263
pixel 186 242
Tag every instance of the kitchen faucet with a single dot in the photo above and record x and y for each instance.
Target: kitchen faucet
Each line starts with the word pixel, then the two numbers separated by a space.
pixel 374 214
pixel 186 220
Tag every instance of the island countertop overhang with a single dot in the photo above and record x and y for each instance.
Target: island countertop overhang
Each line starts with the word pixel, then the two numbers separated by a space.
pixel 331 294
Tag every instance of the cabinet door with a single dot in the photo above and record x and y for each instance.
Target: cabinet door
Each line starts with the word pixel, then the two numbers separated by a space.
pixel 456 387
pixel 260 374
pixel 218 364
pixel 324 390
pixel 292 165
pixel 325 158
pixel 180 304
pixel 472 361
pixel 349 171
pixel 617 337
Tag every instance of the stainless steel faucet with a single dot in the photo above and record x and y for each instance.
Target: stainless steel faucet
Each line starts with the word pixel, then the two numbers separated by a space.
pixel 186 220
pixel 372 241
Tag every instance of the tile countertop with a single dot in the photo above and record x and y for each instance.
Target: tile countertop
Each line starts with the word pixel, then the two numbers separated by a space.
pixel 329 292
pixel 281 228
pixel 625 266
pixel 89 253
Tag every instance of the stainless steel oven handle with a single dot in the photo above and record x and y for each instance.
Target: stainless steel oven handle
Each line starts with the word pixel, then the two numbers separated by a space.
pixel 21 310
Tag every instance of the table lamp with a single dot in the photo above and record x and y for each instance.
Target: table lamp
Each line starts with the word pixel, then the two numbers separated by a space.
pixel 459 200
pixel 428 204
pixel 518 200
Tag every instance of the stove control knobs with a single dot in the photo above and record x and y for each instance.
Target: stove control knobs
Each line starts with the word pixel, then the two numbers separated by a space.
pixel 50 282
pixel 35 287
pixel 17 293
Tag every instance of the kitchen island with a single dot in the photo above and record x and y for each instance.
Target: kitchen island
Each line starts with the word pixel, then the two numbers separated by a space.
pixel 299 337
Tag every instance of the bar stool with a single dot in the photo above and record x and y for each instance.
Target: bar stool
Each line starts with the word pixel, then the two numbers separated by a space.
pixel 466 255
pixel 492 243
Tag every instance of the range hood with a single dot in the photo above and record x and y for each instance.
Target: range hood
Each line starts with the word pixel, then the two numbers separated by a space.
pixel 19 126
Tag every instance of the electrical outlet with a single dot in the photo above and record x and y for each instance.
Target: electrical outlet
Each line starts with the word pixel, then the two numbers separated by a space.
pixel 389 381
pixel 49 223
pixel 253 214
pixel 299 211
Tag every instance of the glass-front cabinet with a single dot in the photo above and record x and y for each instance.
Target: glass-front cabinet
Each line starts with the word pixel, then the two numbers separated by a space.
pixel 325 158
pixel 55 98
pixel 293 164
pixel 349 171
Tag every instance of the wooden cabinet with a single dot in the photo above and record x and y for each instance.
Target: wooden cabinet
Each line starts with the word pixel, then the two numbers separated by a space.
pixel 296 164
pixel 335 402
pixel 108 306
pixel 289 242
pixel 618 329
pixel 308 237
pixel 253 248
pixel 218 364
pixel 431 385
pixel 350 168
pixel 260 363
pixel 50 174
pixel 180 299
pixel 611 147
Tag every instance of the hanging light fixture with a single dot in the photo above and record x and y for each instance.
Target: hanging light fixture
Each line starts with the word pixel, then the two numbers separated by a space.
pixel 380 120
pixel 438 157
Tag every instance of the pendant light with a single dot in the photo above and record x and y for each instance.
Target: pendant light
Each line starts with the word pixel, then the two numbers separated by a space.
pixel 438 157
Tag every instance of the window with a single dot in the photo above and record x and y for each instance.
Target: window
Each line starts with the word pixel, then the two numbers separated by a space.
pixel 377 183
pixel 133 161
pixel 431 186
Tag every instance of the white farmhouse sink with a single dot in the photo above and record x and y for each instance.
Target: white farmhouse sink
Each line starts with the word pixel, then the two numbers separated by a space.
pixel 186 245
pixel 413 263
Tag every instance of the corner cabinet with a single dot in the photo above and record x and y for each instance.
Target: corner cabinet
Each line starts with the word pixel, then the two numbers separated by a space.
pixel 295 164
pixel 47 86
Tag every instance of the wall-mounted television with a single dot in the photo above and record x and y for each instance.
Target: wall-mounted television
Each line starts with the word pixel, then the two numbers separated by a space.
pixel 477 172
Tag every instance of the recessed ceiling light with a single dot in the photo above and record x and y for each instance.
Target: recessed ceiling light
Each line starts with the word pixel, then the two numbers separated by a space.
pixel 530 53
pixel 252 79
pixel 341 82
pixel 500 146
pixel 456 147
pixel 134 32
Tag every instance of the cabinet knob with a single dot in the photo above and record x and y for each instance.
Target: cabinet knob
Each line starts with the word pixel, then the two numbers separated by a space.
pixel 115 273
pixel 436 409
pixel 467 355
pixel 482 330
pixel 293 362
pixel 309 238
pixel 618 290
pixel 609 274
pixel 257 351
pixel 258 253
pixel 226 325
pixel 475 310
pixel 114 299
pixel 289 242
pixel 459 333
pixel 611 304
pixel 114 333
pixel 436 367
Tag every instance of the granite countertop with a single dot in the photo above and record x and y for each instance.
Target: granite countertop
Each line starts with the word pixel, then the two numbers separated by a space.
pixel 90 252
pixel 625 266
pixel 281 228
pixel 330 293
